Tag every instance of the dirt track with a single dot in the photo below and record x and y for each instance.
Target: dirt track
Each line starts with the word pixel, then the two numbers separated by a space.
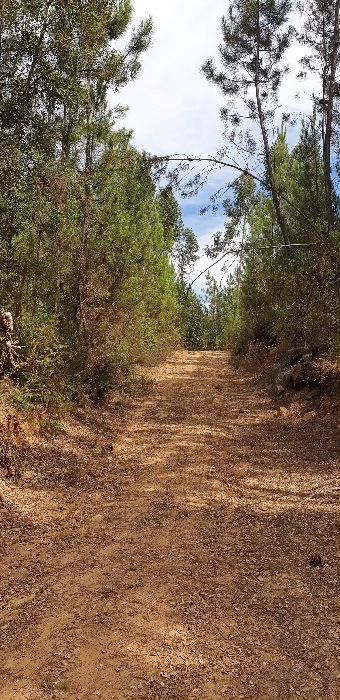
pixel 170 560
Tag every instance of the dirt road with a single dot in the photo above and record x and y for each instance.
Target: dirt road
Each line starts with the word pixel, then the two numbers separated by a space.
pixel 165 555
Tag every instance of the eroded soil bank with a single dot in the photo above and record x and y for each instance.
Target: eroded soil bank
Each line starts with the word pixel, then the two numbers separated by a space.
pixel 170 559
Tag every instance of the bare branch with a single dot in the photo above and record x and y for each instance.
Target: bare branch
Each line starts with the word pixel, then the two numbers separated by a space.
pixel 244 171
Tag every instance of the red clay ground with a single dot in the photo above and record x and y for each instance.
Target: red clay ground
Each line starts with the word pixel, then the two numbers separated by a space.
pixel 165 554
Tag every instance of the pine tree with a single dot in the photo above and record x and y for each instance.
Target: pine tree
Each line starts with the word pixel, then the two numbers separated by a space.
pixel 85 253
pixel 321 36
pixel 255 39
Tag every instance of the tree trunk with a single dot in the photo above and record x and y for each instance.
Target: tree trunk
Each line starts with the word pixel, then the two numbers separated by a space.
pixel 83 261
pixel 275 196
pixel 80 311
pixel 61 202
pixel 329 118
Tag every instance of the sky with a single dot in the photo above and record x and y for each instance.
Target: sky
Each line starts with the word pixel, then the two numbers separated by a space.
pixel 173 109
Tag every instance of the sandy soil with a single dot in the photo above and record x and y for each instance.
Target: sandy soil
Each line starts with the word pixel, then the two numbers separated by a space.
pixel 165 554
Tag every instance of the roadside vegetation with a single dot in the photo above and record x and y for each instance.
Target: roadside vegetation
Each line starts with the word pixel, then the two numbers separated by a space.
pixel 282 230
pixel 87 239
pixel 94 255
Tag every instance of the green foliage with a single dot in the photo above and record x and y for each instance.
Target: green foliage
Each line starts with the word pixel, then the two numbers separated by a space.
pixel 85 240
pixel 285 233
pixel 204 321
pixel 215 301
pixel 255 37
pixel 94 261
pixel 296 302
pixel 193 320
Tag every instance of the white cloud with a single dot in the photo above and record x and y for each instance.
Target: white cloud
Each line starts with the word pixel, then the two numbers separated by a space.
pixel 173 109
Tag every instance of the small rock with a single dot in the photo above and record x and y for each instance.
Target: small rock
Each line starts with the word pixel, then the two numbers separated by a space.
pixel 309 416
pixel 283 411
pixel 283 380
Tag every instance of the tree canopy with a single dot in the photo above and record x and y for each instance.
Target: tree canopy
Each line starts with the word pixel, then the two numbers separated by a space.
pixel 95 259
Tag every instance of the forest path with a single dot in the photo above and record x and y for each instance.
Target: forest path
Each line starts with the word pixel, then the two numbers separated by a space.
pixel 181 570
